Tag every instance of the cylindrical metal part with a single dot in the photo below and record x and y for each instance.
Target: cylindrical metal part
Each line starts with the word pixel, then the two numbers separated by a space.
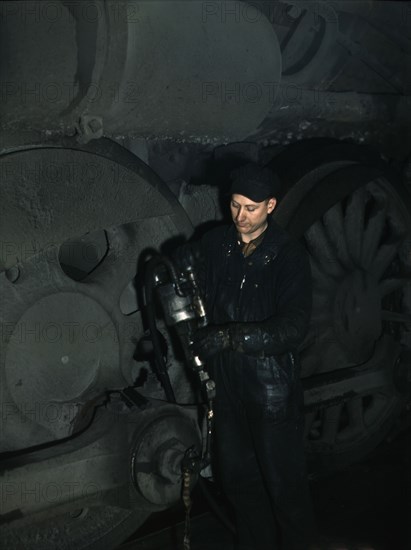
pixel 182 70
pixel 176 308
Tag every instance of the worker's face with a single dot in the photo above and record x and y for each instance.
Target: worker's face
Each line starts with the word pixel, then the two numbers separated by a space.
pixel 250 217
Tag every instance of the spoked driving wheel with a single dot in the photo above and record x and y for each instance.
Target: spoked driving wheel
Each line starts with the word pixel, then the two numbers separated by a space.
pixel 355 223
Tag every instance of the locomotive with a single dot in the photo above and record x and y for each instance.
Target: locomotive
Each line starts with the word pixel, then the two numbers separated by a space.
pixel 120 121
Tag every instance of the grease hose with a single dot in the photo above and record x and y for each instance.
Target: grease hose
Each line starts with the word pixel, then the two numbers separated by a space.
pixel 161 367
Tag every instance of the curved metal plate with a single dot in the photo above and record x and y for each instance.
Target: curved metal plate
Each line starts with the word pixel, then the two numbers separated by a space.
pixel 49 195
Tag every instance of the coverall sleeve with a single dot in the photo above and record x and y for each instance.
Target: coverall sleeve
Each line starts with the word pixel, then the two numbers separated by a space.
pixel 286 330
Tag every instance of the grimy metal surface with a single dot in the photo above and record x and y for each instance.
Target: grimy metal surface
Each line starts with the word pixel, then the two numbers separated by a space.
pixel 140 68
pixel 119 123
pixel 206 72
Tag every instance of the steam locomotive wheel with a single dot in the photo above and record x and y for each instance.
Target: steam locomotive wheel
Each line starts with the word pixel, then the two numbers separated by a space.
pixel 356 225
pixel 77 221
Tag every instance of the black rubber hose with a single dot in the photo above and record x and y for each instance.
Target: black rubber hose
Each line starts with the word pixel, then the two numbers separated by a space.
pixel 159 363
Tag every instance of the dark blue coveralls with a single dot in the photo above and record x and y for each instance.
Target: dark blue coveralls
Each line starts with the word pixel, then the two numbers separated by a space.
pixel 266 298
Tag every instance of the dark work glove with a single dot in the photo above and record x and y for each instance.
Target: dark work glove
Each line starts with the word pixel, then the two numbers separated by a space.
pixel 208 341
pixel 273 336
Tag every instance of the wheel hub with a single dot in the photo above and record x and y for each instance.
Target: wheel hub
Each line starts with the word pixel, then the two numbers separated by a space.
pixel 58 348
pixel 157 455
pixel 357 315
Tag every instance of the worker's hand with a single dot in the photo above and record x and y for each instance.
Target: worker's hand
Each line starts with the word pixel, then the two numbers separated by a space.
pixel 208 341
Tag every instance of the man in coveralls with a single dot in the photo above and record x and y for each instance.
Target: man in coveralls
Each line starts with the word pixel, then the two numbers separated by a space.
pixel 257 286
